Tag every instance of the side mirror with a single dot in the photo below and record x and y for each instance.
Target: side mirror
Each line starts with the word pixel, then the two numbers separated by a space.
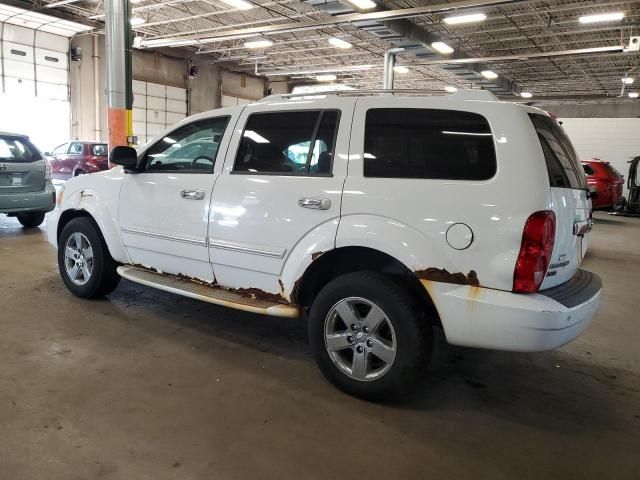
pixel 125 156
pixel 593 193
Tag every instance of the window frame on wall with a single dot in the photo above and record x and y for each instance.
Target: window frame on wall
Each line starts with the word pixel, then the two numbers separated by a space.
pixel 492 164
pixel 144 162
pixel 312 141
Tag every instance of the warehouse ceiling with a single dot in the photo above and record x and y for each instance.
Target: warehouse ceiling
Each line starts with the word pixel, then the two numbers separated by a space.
pixel 299 33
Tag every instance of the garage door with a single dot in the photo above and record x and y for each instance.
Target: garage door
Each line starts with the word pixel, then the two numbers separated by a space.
pixel 156 107
pixel 34 97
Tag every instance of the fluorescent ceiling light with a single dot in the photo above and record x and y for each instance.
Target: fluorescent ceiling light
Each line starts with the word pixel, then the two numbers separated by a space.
pixel 400 69
pixel 363 4
pixel 471 18
pixel 137 21
pixel 255 136
pixel 450 89
pixel 628 80
pixel 442 48
pixel 258 44
pixel 345 68
pixel 239 4
pixel 339 43
pixel 633 94
pixel 602 17
pixel 489 74
pixel 326 77
pixel 526 94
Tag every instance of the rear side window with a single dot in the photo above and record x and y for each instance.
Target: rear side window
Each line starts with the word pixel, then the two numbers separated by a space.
pixel 288 143
pixel 99 150
pixel 76 149
pixel 17 150
pixel 428 143
pixel 587 169
pixel 563 166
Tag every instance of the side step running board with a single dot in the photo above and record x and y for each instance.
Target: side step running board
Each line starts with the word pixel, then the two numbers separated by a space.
pixel 217 295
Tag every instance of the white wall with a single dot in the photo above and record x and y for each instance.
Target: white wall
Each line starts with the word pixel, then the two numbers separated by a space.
pixel 616 140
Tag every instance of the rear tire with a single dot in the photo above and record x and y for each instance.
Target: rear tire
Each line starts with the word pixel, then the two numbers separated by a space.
pixel 31 220
pixel 86 267
pixel 346 351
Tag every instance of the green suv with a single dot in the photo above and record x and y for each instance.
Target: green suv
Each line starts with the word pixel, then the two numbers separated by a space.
pixel 26 191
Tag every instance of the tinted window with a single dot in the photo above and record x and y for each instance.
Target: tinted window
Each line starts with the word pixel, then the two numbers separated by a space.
pixel 422 143
pixel 561 159
pixel 99 150
pixel 587 169
pixel 76 149
pixel 293 143
pixel 190 149
pixel 17 150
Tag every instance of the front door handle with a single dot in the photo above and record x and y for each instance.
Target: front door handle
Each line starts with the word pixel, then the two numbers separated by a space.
pixel 192 194
pixel 315 203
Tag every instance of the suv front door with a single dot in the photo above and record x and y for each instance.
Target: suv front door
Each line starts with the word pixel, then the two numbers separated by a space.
pixel 280 190
pixel 164 209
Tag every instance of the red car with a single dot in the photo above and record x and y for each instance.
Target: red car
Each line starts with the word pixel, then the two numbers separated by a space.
pixel 77 158
pixel 607 182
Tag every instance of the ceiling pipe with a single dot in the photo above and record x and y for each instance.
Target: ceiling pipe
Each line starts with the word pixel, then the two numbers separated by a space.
pixel 389 63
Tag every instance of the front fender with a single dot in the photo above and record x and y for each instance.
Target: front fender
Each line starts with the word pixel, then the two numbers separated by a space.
pixel 99 198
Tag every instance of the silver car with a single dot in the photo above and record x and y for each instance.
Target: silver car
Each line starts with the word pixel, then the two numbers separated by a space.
pixel 26 191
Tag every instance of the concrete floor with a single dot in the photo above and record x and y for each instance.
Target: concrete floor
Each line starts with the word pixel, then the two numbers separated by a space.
pixel 147 385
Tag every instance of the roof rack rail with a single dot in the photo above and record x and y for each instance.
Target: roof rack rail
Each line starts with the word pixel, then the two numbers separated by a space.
pixel 460 94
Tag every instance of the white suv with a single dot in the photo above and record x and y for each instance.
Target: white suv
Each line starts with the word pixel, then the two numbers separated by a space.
pixel 380 216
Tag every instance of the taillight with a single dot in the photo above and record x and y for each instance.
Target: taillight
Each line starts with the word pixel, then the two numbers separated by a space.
pixel 535 252
pixel 47 169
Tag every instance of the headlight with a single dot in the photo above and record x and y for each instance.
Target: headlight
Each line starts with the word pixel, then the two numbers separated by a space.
pixel 59 197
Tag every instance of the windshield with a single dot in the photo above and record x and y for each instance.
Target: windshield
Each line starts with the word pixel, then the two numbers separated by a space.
pixel 565 170
pixel 17 150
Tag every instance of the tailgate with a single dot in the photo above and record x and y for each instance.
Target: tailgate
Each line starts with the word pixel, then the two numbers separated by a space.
pixel 567 199
pixel 22 168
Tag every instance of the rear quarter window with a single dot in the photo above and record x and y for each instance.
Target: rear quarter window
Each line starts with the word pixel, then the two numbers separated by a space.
pixel 99 150
pixel 428 144
pixel 17 150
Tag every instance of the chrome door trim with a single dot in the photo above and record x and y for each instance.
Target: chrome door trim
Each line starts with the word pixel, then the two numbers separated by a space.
pixel 264 251
pixel 161 236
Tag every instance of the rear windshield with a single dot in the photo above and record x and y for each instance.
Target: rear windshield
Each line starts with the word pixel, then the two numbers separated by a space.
pixel 613 171
pixel 563 166
pixel 99 150
pixel 17 150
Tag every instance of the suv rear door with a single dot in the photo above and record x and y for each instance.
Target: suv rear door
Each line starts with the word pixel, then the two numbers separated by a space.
pixel 22 168
pixel 282 184
pixel 568 200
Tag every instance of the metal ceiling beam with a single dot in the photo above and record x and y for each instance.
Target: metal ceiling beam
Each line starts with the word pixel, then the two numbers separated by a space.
pixel 522 56
pixel 345 19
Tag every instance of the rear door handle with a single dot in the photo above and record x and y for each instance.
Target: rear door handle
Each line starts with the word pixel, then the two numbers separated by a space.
pixel 192 194
pixel 315 203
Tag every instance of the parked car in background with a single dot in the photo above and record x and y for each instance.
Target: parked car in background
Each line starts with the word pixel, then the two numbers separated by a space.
pixel 606 181
pixel 77 158
pixel 26 191
pixel 633 184
pixel 333 206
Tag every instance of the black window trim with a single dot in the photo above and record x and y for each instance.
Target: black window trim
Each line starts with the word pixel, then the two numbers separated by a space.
pixel 142 158
pixel 306 173
pixel 493 137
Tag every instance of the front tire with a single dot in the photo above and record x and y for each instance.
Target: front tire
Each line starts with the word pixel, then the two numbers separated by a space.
pixel 86 266
pixel 31 220
pixel 369 336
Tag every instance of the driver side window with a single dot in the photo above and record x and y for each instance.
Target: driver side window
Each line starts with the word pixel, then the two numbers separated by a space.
pixel 189 149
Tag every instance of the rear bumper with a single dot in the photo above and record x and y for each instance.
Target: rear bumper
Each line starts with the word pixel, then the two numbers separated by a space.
pixel 486 318
pixel 42 201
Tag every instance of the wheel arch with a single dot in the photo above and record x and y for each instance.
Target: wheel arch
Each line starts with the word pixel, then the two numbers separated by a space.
pixel 349 259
